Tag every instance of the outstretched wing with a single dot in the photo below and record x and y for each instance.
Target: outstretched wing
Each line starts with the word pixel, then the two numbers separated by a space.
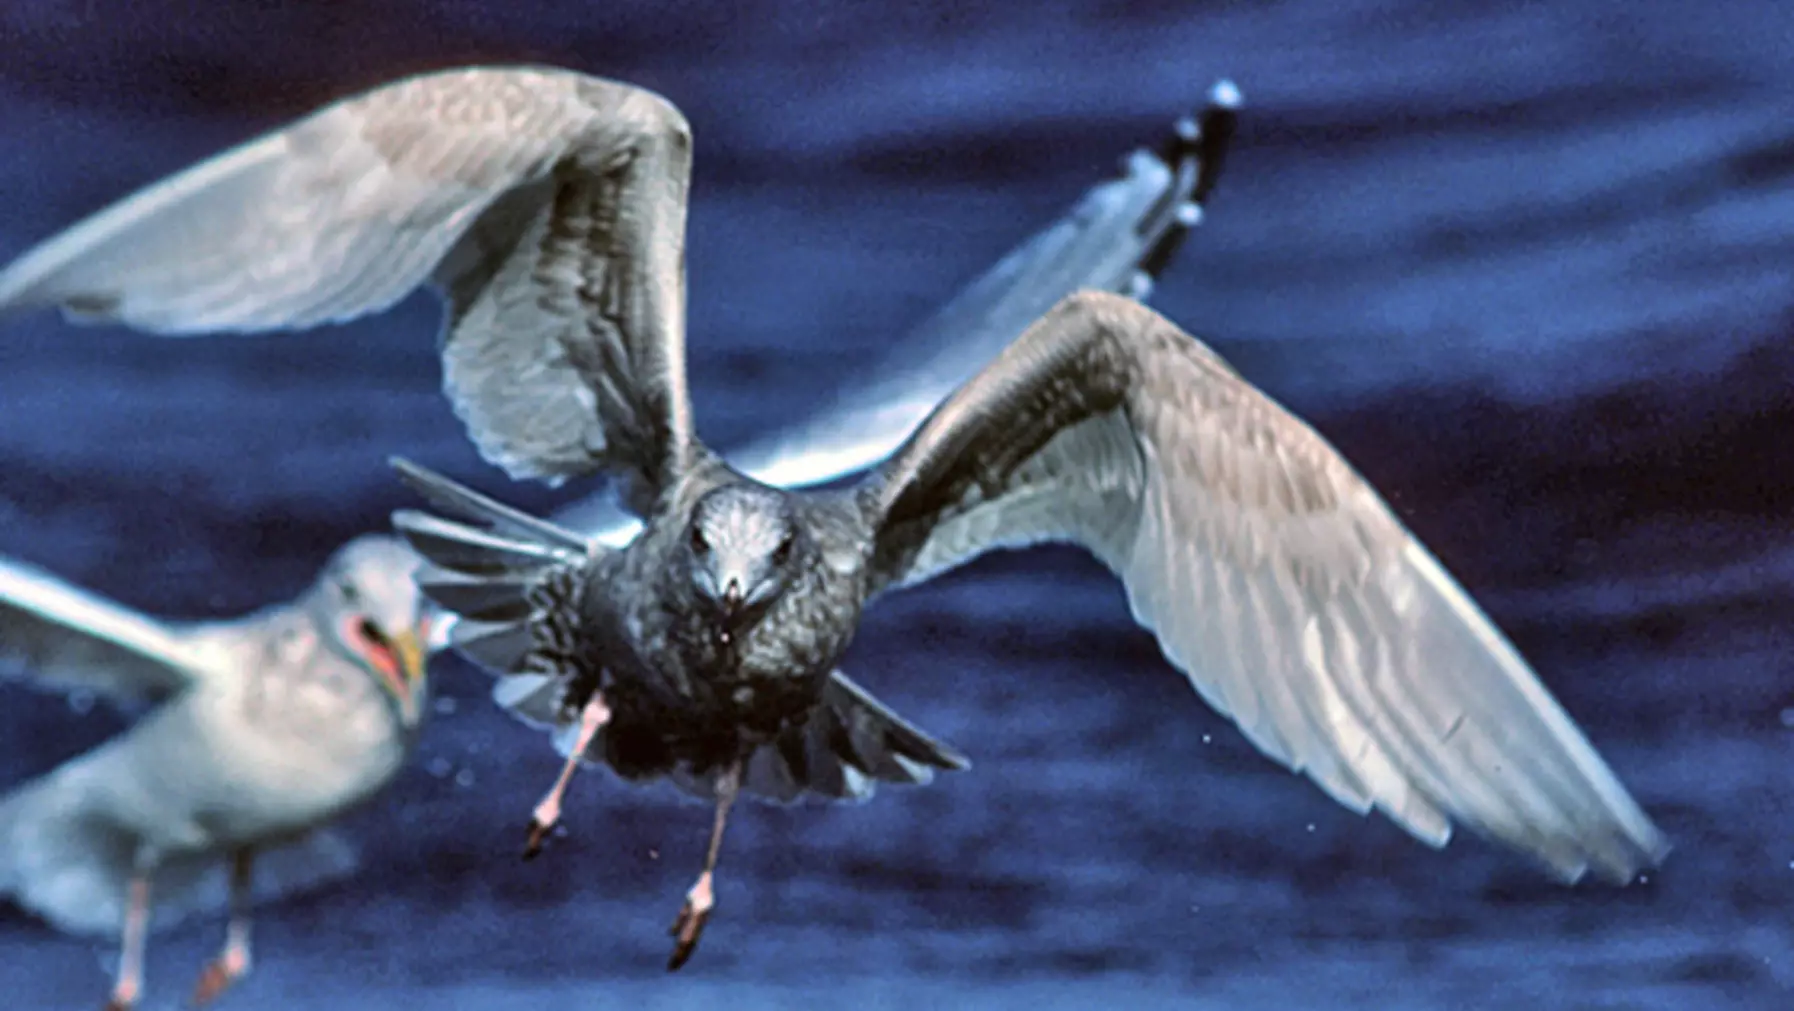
pixel 61 636
pixel 1119 237
pixel 1272 574
pixel 546 206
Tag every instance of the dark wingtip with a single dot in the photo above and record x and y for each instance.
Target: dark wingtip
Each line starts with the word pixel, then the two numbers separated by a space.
pixel 1214 135
pixel 1204 137
pixel 1197 146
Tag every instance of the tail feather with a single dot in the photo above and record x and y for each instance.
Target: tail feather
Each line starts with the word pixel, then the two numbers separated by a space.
pixel 852 743
pixel 878 736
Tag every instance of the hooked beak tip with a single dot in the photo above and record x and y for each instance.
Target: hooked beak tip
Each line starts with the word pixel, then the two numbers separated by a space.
pixel 412 658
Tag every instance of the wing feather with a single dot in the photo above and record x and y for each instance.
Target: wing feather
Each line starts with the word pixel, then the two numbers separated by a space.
pixel 61 636
pixel 548 208
pixel 1119 236
pixel 1271 573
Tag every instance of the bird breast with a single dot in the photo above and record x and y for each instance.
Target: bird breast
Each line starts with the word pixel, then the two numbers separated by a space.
pixel 281 750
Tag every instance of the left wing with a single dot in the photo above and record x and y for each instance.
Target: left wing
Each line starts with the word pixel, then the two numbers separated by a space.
pixel 1272 574
pixel 61 636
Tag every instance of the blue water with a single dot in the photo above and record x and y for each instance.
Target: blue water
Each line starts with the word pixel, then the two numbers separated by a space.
pixel 1529 269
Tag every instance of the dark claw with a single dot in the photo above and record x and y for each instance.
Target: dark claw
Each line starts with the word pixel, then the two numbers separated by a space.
pixel 214 979
pixel 532 847
pixel 687 929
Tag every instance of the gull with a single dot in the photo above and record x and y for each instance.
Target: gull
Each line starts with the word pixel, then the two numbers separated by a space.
pixel 549 208
pixel 266 728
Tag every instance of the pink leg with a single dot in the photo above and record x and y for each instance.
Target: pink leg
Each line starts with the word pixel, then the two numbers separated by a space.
pixel 595 715
pixel 129 985
pixel 702 897
pixel 233 963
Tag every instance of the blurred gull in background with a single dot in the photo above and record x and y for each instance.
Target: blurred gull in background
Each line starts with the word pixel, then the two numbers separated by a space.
pixel 265 728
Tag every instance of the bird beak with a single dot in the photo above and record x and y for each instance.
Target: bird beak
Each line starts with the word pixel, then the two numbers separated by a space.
pixel 399 659
pixel 409 646
pixel 402 664
pixel 408 686
pixel 732 599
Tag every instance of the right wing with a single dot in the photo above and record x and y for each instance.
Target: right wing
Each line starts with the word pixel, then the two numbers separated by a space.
pixel 1271 572
pixel 548 207
pixel 62 636
pixel 1118 237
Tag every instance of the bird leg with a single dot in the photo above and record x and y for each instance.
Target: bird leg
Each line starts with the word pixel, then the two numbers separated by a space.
pixel 232 963
pixel 129 984
pixel 702 897
pixel 594 716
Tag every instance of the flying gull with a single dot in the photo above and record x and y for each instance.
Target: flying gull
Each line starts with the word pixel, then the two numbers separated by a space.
pixel 549 209
pixel 268 727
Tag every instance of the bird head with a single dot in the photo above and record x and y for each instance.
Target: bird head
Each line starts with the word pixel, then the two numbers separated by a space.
pixel 366 599
pixel 743 545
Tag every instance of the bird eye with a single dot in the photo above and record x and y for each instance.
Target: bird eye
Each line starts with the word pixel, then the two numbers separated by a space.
pixel 782 553
pixel 350 594
pixel 698 543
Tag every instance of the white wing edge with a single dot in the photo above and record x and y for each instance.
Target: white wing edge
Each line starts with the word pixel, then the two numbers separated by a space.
pixel 19 283
pixel 37 592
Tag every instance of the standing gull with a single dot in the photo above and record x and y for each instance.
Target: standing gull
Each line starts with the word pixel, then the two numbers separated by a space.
pixel 549 207
pixel 269 726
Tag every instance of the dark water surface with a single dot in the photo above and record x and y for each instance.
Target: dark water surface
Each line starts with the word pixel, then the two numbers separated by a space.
pixel 1528 268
